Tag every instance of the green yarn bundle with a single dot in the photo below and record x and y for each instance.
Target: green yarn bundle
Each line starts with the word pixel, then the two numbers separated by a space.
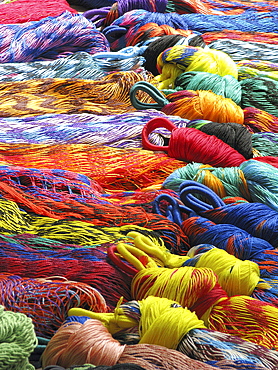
pixel 17 340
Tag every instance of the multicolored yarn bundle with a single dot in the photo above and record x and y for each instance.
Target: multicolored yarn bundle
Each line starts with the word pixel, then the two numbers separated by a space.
pixel 66 34
pixel 108 96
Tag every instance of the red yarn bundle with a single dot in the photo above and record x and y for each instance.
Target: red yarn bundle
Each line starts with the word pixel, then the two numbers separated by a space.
pixel 190 144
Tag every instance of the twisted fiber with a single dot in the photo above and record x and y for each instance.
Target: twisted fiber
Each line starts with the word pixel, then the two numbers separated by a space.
pixel 265 143
pixel 233 134
pixel 20 11
pixel 17 340
pixel 76 65
pixel 92 4
pixel 210 345
pixel 108 96
pixel 261 65
pixel 106 215
pixel 257 120
pixel 47 301
pixel 84 128
pixel 226 86
pixel 265 37
pixel 84 265
pixel 113 169
pixel 239 50
pixel 260 93
pixel 246 72
pixel 65 34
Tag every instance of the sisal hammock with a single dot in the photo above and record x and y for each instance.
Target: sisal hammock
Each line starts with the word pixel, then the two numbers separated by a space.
pixel 42 96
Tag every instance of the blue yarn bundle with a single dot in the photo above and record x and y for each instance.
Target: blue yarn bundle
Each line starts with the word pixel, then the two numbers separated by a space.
pixel 124 129
pixel 50 38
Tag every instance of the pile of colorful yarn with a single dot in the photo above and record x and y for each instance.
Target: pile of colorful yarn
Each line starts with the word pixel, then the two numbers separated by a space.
pixel 138 185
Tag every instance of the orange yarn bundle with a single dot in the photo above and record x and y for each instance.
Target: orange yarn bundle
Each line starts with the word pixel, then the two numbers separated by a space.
pixel 114 169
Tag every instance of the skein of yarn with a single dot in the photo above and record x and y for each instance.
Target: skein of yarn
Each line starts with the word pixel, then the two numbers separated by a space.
pixel 189 104
pixel 190 144
pixel 17 340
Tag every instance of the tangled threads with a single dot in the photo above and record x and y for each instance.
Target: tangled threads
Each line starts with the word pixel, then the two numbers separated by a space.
pixel 226 86
pixel 173 61
pixel 112 168
pixel 156 47
pixel 76 65
pixel 124 129
pixel 257 68
pixel 260 93
pixel 235 135
pixel 198 290
pixel 20 11
pixel 190 144
pixel 48 309
pixel 189 104
pixel 17 340
pixel 66 34
pixel 240 50
pixel 108 96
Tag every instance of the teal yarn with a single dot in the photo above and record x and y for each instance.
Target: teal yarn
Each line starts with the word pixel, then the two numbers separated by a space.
pixel 226 86
pixel 17 340
pixel 261 93
pixel 266 143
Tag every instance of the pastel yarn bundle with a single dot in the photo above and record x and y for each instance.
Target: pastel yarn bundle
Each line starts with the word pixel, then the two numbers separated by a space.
pixel 66 34
pixel 47 309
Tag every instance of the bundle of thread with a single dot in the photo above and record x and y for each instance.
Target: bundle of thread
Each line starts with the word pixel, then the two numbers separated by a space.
pixel 265 37
pixel 235 135
pixel 247 181
pixel 226 86
pixel 124 129
pixel 47 301
pixel 65 33
pixel 198 290
pixel 158 45
pixel 173 61
pixel 134 19
pixel 17 340
pixel 256 218
pixel 126 366
pixel 257 68
pixel 260 93
pixel 147 319
pixel 113 168
pixel 189 104
pixel 20 11
pixel 257 120
pixel 240 50
pixel 108 96
pixel 92 4
pixel 190 144
pixel 266 143
pixel 68 216
pixel 90 342
pixel 76 65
